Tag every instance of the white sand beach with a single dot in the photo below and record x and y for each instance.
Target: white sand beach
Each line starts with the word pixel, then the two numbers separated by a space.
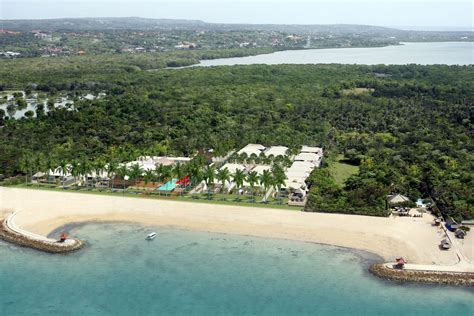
pixel 416 239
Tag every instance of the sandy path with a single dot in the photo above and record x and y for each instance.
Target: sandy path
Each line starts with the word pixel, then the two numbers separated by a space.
pixel 414 238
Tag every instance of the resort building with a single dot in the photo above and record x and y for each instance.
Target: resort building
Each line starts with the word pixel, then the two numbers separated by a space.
pixel 56 176
pixel 295 186
pixel 150 163
pixel 250 149
pixel 312 150
pixel 260 168
pixel 276 151
pixel 309 157
pixel 233 167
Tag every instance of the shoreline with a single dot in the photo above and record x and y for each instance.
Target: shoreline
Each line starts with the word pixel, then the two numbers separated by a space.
pixel 372 261
pixel 367 256
pixel 44 213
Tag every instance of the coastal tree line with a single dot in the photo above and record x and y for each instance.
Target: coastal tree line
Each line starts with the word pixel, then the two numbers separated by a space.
pixel 409 128
pixel 197 170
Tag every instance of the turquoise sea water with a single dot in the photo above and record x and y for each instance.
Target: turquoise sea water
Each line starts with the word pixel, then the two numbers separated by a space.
pixel 196 273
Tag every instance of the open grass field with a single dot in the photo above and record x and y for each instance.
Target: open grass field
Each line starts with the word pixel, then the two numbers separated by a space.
pixel 341 170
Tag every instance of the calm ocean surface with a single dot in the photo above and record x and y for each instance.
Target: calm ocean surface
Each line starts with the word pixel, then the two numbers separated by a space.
pixel 449 53
pixel 195 273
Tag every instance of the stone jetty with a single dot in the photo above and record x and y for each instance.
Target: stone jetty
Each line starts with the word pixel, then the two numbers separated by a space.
pixel 9 232
pixel 384 271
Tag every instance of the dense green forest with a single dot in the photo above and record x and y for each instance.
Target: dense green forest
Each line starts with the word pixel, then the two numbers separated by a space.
pixel 409 128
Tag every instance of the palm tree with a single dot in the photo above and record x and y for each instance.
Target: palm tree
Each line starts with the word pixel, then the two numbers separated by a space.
pixel 266 180
pixel 136 172
pixel 99 167
pixel 122 172
pixel 63 169
pixel 252 178
pixel 278 181
pixel 267 160
pixel 149 176
pixel 242 157
pixel 238 178
pixel 159 171
pixel 26 164
pixel 49 165
pixel 277 169
pixel 195 171
pixel 233 157
pixel 111 169
pixel 75 169
pixel 223 175
pixel 209 174
pixel 85 169
pixel 178 171
pixel 167 172
pixel 39 162
pixel 253 157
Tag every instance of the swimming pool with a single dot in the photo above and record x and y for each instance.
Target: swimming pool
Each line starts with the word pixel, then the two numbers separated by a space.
pixel 169 186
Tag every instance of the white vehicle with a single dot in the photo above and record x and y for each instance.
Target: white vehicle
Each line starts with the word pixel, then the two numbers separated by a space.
pixel 445 244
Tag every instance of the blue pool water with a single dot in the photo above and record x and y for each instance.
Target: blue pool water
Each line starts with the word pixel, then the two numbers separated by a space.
pixel 184 272
pixel 169 186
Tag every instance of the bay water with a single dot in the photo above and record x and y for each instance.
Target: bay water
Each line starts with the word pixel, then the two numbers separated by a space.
pixel 447 53
pixel 197 273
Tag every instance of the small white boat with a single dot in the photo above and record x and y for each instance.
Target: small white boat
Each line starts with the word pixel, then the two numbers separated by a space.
pixel 151 236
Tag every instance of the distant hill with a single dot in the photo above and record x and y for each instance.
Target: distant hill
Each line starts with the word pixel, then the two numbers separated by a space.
pixel 146 24
pixel 98 24
pixel 135 23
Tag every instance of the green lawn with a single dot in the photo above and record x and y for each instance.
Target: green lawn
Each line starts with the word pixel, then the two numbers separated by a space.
pixel 341 170
pixel 235 197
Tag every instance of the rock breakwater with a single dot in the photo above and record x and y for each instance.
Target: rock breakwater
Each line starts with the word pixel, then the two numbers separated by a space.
pixel 47 245
pixel 434 277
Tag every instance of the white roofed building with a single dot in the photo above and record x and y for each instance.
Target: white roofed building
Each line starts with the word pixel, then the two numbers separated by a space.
pixel 233 167
pixel 150 163
pixel 397 198
pixel 252 149
pixel 313 150
pixel 309 157
pixel 276 151
pixel 260 168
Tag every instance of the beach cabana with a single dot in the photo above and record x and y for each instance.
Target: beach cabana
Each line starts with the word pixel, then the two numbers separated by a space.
pixel 394 199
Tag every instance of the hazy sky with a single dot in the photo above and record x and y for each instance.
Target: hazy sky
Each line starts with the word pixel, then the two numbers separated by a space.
pixel 417 13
